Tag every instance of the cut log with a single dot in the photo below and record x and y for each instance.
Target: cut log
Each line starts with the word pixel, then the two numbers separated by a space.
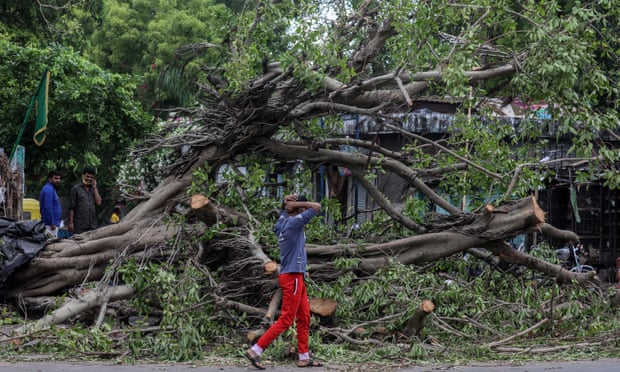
pixel 204 209
pixel 199 201
pixel 324 307
pixel 358 332
pixel 415 324
pixel 254 335
pixel 274 305
pixel 272 268
pixel 270 315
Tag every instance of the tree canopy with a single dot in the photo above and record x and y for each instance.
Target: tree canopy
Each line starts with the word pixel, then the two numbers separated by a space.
pixel 143 37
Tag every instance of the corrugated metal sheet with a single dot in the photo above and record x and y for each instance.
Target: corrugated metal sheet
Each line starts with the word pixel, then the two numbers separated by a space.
pixel 427 121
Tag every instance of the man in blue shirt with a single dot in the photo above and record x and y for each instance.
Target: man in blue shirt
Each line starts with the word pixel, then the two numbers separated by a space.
pixel 289 228
pixel 49 204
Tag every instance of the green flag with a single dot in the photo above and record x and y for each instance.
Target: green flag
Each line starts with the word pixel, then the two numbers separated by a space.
pixel 41 123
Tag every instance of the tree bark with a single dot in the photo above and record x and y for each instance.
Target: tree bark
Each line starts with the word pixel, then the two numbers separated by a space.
pixel 274 306
pixel 93 298
pixel 415 324
pixel 494 224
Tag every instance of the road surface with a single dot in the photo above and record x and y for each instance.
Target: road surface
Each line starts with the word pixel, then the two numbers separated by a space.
pixel 601 365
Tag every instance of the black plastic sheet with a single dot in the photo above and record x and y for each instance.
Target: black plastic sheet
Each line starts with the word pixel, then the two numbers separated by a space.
pixel 20 241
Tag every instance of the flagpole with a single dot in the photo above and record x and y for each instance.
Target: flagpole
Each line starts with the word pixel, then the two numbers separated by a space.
pixel 21 130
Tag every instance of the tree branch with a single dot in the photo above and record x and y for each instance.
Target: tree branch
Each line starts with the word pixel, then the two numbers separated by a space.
pixel 385 204
pixel 93 298
pixel 443 148
pixel 356 160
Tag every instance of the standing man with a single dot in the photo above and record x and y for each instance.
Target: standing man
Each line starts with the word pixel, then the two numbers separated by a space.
pixel 49 204
pixel 83 199
pixel 289 228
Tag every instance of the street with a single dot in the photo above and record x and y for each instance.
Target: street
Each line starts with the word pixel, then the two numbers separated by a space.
pixel 601 365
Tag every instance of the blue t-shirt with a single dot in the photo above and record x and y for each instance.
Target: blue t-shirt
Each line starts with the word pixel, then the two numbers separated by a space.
pixel 49 205
pixel 292 240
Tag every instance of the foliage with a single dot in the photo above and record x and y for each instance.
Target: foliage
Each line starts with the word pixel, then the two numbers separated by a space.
pixel 478 309
pixel 8 317
pixel 471 312
pixel 92 116
pixel 142 37
pixel 56 21
pixel 138 174
pixel 186 327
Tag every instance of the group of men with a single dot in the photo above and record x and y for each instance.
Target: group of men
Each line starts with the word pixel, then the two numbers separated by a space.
pixel 83 199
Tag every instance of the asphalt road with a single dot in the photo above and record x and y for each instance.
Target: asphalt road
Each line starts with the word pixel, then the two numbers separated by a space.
pixel 601 365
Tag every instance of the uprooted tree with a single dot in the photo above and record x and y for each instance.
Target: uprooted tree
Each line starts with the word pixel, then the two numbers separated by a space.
pixel 376 60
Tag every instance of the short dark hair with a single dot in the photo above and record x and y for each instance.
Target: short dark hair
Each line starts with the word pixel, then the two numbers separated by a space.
pixel 53 173
pixel 89 170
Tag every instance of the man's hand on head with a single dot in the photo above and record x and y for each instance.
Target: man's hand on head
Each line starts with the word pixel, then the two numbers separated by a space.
pixel 287 199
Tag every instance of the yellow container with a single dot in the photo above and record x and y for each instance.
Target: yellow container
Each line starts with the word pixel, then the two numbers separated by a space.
pixel 31 209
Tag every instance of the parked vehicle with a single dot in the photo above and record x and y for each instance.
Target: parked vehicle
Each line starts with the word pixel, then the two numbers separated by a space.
pixel 571 259
pixel 30 209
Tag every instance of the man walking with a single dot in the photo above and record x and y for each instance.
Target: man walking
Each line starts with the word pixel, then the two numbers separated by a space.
pixel 49 204
pixel 83 200
pixel 289 228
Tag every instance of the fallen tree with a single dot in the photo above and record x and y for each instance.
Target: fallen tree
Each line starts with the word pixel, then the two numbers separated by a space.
pixel 274 118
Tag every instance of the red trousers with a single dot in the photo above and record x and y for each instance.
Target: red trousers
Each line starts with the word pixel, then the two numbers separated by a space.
pixel 295 306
